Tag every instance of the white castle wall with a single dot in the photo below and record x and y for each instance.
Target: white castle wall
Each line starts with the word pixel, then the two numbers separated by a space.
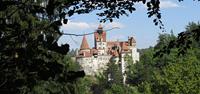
pixel 101 46
pixel 98 63
pixel 93 65
pixel 135 55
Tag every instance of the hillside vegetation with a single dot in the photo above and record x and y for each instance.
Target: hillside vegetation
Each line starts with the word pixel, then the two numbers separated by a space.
pixel 157 72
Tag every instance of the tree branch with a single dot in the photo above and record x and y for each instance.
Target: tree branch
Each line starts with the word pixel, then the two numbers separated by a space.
pixel 3 83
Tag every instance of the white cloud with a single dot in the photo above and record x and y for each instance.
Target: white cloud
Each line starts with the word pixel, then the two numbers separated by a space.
pixel 114 24
pixel 88 27
pixel 168 4
pixel 76 26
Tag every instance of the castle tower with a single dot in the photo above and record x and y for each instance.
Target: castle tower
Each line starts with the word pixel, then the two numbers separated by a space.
pixel 132 46
pixel 84 44
pixel 84 49
pixel 100 40
pixel 131 41
pixel 100 34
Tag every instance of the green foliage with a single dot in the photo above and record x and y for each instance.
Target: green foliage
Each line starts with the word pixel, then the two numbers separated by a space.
pixel 171 72
pixel 166 74
pixel 185 40
pixel 164 40
pixel 128 59
pixel 114 73
pixel 181 76
pixel 52 87
pixel 31 61
pixel 141 71
pixel 121 89
pixel 85 85
pixel 71 64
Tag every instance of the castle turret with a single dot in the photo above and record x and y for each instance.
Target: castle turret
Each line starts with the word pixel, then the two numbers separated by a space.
pixel 100 35
pixel 84 44
pixel 84 49
pixel 94 60
pixel 131 41
pixel 100 40
pixel 132 47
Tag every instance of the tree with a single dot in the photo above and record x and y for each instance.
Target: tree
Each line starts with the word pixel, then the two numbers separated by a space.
pixel 185 40
pixel 169 73
pixel 111 81
pixel 114 73
pixel 29 53
pixel 85 85
pixel 180 75
pixel 142 71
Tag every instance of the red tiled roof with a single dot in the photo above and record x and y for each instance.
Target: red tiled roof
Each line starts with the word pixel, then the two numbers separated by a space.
pixel 84 44
pixel 115 53
pixel 124 45
pixel 112 43
pixel 84 54
pixel 94 51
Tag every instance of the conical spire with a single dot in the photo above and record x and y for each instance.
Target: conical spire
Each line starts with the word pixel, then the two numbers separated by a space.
pixel 84 44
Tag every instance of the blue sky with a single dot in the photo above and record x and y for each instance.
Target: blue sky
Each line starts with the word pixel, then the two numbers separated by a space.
pixel 175 16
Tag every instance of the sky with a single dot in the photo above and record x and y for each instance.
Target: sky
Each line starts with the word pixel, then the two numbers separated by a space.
pixel 175 17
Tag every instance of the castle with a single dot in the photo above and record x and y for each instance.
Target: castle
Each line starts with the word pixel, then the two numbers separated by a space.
pixel 94 60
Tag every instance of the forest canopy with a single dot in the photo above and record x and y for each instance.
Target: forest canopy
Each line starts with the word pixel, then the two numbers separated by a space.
pixel 31 61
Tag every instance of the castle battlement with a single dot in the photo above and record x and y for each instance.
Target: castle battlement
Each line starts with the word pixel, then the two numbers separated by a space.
pixel 95 60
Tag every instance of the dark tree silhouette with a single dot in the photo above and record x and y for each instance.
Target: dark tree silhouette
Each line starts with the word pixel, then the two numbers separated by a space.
pixel 29 31
pixel 184 41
